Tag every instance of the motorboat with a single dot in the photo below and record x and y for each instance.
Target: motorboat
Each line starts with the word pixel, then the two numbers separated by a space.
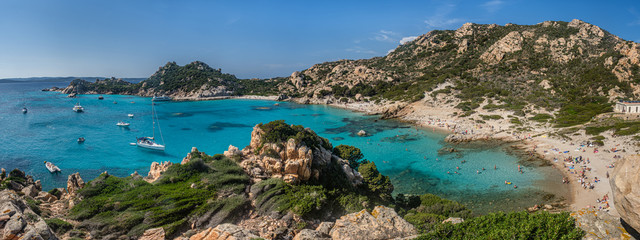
pixel 122 124
pixel 160 99
pixel 130 115
pixel 77 108
pixel 100 97
pixel 52 167
pixel 24 110
pixel 81 140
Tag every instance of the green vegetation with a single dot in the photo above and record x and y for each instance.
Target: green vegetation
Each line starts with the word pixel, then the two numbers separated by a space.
pixel 619 127
pixel 541 117
pixel 432 210
pixel 515 225
pixel 491 117
pixel 131 205
pixel 351 154
pixel 59 226
pixel 279 132
pixel 375 181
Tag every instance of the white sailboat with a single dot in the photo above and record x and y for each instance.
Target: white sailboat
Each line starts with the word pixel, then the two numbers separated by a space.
pixel 150 142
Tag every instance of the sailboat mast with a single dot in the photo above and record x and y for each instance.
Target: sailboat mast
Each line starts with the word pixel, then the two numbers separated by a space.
pixel 153 120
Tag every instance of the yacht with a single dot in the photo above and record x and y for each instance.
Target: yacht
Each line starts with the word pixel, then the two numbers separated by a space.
pixel 77 108
pixel 150 142
pixel 161 98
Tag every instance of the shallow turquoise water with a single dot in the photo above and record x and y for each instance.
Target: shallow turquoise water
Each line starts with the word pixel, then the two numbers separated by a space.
pixel 407 154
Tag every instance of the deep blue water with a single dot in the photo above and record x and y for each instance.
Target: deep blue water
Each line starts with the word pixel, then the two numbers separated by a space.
pixel 409 155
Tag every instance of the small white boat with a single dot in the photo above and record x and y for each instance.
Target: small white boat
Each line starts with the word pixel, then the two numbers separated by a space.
pixel 149 143
pixel 81 140
pixel 160 99
pixel 122 124
pixel 77 108
pixel 51 167
pixel 24 110
pixel 130 115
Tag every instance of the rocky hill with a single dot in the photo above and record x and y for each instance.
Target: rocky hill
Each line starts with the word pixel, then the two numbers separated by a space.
pixel 195 80
pixel 570 70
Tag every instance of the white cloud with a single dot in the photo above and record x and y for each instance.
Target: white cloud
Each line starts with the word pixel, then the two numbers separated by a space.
pixel 390 51
pixel 385 36
pixel 407 39
pixel 441 19
pixel 493 5
pixel 358 49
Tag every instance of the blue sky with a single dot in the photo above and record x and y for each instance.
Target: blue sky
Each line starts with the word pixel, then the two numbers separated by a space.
pixel 252 39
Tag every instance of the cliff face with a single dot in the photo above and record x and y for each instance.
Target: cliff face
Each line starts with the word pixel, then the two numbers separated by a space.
pixel 625 181
pixel 292 161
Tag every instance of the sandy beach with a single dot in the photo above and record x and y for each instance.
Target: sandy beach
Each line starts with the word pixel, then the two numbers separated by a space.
pixel 585 167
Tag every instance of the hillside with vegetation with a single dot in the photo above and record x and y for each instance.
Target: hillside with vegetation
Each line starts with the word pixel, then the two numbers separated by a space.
pixel 573 70
pixel 567 71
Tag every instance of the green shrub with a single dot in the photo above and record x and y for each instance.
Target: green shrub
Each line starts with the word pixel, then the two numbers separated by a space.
pixel 351 154
pixel 374 180
pixel 59 226
pixel 515 225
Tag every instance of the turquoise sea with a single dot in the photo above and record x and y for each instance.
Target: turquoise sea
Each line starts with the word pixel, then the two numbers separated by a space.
pixel 409 155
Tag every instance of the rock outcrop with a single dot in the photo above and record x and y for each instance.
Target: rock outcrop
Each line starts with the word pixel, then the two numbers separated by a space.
pixel 156 170
pixel 381 223
pixel 19 221
pixel 291 161
pixel 599 225
pixel 225 231
pixel 74 183
pixel 625 185
pixel 153 234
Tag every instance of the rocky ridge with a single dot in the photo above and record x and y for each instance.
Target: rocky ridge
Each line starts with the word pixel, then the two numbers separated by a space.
pixel 626 191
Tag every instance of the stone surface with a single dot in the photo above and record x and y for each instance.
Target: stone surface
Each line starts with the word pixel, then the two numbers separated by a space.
pixel 453 220
pixel 225 231
pixel 74 183
pixel 625 185
pixel 324 227
pixel 291 161
pixel 156 170
pixel 23 223
pixel 308 234
pixel 599 225
pixel 381 223
pixel 153 234
pixel 30 191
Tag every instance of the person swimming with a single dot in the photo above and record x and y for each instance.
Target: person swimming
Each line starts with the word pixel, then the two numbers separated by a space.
pixel 495 167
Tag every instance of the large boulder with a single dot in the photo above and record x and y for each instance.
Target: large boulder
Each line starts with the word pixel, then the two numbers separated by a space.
pixel 381 223
pixel 225 231
pixel 625 185
pixel 153 234
pixel 74 183
pixel 292 161
pixel 156 170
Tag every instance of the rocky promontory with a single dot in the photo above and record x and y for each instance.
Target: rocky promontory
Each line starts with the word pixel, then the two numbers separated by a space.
pixel 625 180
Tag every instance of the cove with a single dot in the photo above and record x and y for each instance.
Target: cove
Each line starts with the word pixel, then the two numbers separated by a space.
pixel 409 155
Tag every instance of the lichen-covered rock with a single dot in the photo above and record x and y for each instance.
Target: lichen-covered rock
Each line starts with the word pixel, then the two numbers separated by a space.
pixel 156 170
pixel 510 43
pixel 308 234
pixel 232 152
pixel 225 231
pixel 153 234
pixel 23 223
pixel 381 223
pixel 625 185
pixel 599 225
